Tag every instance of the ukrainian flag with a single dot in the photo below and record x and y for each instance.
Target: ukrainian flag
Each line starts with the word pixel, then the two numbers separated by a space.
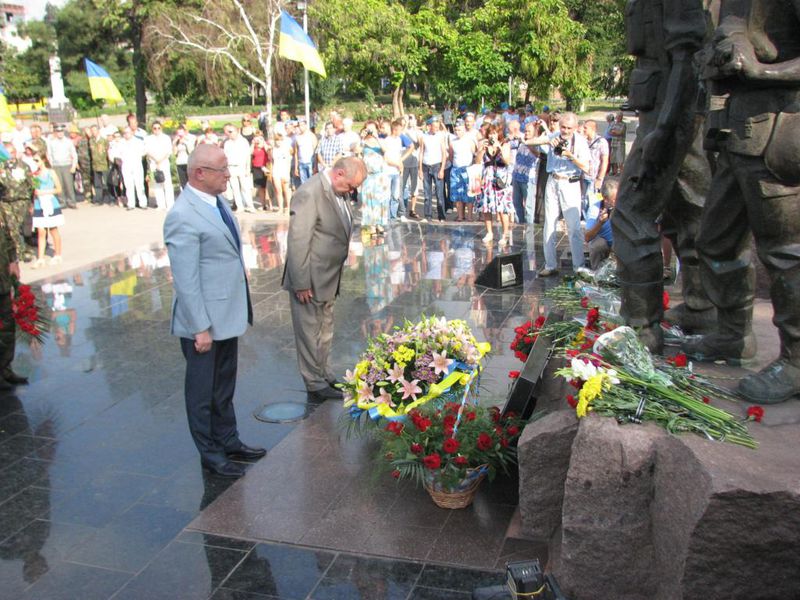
pixel 100 83
pixel 6 120
pixel 296 45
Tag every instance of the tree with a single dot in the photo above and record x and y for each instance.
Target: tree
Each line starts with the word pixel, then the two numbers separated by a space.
pixel 224 34
pixel 371 39
pixel 604 21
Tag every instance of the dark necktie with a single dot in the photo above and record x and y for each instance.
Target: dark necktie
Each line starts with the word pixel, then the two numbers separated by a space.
pixel 227 220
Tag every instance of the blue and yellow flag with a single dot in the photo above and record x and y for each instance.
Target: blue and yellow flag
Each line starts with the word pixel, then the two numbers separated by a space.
pixel 296 45
pixel 100 84
pixel 6 120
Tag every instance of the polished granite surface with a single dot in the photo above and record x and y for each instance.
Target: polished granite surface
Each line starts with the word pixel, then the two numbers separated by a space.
pixel 101 491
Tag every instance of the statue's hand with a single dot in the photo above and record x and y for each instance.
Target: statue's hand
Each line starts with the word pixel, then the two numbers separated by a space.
pixel 654 152
pixel 734 55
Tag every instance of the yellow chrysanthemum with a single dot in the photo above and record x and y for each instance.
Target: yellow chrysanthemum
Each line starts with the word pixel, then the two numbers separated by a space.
pixel 592 389
pixel 362 367
pixel 403 354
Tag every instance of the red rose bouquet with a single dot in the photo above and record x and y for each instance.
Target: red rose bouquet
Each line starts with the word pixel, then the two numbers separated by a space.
pixel 449 447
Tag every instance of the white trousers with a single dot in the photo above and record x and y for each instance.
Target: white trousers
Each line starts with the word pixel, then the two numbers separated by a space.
pixel 163 192
pixel 133 177
pixel 240 190
pixel 563 197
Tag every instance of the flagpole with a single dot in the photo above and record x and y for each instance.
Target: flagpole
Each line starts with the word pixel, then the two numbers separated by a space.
pixel 304 7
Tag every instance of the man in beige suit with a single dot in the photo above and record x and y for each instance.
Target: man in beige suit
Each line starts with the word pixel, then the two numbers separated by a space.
pixel 318 243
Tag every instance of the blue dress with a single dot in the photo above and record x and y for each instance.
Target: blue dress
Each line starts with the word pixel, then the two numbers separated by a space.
pixel 46 208
pixel 375 190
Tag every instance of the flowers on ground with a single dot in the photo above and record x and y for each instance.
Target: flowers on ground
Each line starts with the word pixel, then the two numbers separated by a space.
pixel 411 366
pixel 621 380
pixel 444 443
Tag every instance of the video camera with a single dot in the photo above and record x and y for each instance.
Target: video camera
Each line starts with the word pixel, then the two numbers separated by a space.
pixel 524 579
pixel 559 148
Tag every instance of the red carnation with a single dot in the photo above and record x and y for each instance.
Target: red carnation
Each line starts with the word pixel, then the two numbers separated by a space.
pixel 484 442
pixel 539 322
pixel 416 448
pixel 447 430
pixel 513 430
pixel 449 420
pixel 495 414
pixel 756 413
pixel 451 446
pixel 504 442
pixel 572 401
pixel 470 416
pixel 422 424
pixel 396 427
pixel 511 414
pixel 432 461
pixel 679 360
pixel 665 300
pixel 461 461
pixel 592 317
pixel 585 302
pixel 396 474
pixel 706 400
pixel 513 374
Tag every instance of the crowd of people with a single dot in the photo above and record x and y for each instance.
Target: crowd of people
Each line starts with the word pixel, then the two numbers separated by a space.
pixel 488 166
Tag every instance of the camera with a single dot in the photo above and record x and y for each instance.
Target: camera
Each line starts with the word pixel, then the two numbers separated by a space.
pixel 559 148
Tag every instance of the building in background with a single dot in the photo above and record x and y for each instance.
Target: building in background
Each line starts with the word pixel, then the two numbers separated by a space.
pixel 12 16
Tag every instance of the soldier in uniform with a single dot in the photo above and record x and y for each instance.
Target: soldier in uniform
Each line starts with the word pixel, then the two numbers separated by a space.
pixel 16 182
pixel 85 164
pixel 98 146
pixel 753 65
pixel 666 177
pixel 13 179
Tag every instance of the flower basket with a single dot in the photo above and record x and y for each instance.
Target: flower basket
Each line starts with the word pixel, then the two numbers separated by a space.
pixel 460 496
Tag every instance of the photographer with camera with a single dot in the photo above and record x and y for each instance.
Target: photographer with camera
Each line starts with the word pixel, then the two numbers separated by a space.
pixel 568 158
pixel 598 222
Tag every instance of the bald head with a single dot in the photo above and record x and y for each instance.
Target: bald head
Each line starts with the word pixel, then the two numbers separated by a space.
pixel 347 174
pixel 207 169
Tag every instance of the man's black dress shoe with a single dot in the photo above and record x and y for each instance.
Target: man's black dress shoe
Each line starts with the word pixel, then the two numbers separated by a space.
pixel 244 452
pixel 13 378
pixel 324 394
pixel 228 469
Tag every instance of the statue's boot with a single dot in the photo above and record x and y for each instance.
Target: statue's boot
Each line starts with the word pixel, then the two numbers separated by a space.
pixel 733 341
pixel 696 314
pixel 775 383
pixel 652 336
pixel 692 321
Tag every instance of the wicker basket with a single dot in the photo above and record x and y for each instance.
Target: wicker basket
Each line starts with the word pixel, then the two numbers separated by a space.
pixel 459 498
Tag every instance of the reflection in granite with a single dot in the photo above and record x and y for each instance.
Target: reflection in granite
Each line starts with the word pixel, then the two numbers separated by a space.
pixel 99 477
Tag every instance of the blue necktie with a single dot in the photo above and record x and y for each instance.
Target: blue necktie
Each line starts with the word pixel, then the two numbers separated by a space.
pixel 227 220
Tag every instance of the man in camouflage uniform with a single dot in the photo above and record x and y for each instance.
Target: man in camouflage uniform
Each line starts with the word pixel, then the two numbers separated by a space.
pixel 98 146
pixel 85 164
pixel 15 182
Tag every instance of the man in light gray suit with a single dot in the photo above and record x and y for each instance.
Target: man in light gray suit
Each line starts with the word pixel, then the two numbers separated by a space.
pixel 211 308
pixel 318 243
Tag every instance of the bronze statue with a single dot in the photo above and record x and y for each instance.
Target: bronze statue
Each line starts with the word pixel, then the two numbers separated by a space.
pixel 753 69
pixel 666 177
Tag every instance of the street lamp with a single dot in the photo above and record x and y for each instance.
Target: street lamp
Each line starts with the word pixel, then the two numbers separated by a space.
pixel 304 7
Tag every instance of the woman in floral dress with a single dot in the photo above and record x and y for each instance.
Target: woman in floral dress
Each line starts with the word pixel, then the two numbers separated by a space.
pixel 375 189
pixel 497 198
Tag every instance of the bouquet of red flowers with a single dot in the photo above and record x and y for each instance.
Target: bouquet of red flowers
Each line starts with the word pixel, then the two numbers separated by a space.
pixel 444 448
pixel 32 324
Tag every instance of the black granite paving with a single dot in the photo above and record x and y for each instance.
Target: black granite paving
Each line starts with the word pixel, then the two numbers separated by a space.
pixel 99 480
